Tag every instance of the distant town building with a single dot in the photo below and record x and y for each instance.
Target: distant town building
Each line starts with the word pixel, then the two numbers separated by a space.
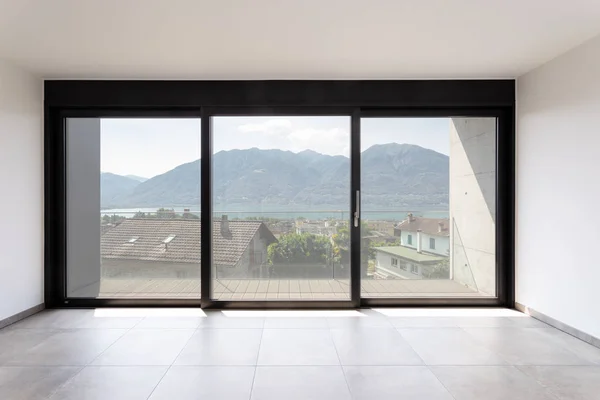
pixel 431 235
pixel 404 263
pixel 316 227
pixel 424 245
pixel 170 248
pixel 384 227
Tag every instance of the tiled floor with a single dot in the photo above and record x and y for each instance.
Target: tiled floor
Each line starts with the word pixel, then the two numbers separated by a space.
pixel 262 355
pixel 280 289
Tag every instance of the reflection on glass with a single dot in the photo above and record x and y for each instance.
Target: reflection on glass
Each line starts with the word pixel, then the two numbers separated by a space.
pixel 428 211
pixel 138 180
pixel 281 190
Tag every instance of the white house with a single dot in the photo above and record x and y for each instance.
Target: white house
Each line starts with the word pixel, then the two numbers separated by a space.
pixel 404 263
pixel 430 235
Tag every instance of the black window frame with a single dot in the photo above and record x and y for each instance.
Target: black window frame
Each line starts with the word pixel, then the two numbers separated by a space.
pixel 409 98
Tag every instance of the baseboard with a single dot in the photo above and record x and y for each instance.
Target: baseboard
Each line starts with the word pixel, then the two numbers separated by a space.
pixel 594 341
pixel 22 315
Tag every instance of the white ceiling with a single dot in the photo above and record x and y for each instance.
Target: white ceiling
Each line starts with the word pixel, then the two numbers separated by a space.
pixel 291 39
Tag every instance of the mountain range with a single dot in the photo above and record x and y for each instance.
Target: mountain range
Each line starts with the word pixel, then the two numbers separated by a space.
pixel 251 179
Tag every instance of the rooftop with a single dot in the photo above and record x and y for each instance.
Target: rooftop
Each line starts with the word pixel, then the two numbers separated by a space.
pixel 178 240
pixel 410 254
pixel 430 226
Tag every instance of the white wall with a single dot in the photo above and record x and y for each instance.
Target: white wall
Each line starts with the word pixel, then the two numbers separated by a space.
pixel 558 188
pixel 21 194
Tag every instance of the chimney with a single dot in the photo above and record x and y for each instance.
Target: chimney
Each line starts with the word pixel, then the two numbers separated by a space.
pixel 225 226
pixel 409 217
pixel 440 227
pixel 419 238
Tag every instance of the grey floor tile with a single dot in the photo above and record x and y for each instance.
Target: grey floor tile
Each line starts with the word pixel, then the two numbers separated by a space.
pixel 392 383
pixel 146 347
pixel 95 322
pixel 568 383
pixel 14 342
pixel 528 322
pixel 111 383
pixel 169 323
pixel 296 322
pixel 490 383
pixel 373 346
pixel 33 383
pixel 221 321
pixel 297 347
pixel 221 347
pixel 199 383
pixel 358 322
pixel 449 346
pixel 300 383
pixel 69 347
pixel 526 346
pixel 54 319
pixel 574 345
pixel 424 322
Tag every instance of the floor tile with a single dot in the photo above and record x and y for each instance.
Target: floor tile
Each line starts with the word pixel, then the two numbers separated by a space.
pixel 33 383
pixel 221 347
pixel 94 322
pixel 423 322
pixel 14 342
pixel 296 322
pixel 358 322
pixel 114 383
pixel 573 344
pixel 373 346
pixel 220 321
pixel 300 383
pixel 169 323
pixel 199 383
pixel 449 346
pixel 297 347
pixel 526 346
pixel 490 383
pixel 392 383
pixel 146 347
pixel 69 348
pixel 54 319
pixel 568 383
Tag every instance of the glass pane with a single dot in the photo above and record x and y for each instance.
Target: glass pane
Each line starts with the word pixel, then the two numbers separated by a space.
pixel 428 207
pixel 133 208
pixel 281 200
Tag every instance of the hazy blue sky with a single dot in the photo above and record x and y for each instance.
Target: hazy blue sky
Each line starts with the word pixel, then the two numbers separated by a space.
pixel 149 147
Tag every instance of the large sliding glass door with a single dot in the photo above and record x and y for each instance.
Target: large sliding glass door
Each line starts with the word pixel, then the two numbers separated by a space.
pixel 428 207
pixel 281 208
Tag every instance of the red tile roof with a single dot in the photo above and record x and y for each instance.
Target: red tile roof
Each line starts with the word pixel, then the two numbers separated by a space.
pixel 430 226
pixel 119 243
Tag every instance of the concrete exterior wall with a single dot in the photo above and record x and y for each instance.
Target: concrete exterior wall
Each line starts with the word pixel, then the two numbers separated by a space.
pixel 442 243
pixel 83 206
pixel 472 202
pixel 558 123
pixel 22 183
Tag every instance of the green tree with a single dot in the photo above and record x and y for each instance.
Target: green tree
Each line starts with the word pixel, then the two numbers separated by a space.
pixel 139 214
pixel 165 213
pixel 440 270
pixel 302 248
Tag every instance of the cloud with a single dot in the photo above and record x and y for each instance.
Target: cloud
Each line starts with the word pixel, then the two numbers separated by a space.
pixel 282 134
pixel 269 127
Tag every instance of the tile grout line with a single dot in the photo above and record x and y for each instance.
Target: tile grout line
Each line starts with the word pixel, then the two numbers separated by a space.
pixel 340 360
pixel 440 381
pixel 256 364
pixel 169 367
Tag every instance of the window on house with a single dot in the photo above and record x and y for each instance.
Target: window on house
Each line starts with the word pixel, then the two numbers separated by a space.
pixel 409 239
pixel 432 243
pixel 395 262
pixel 404 266
pixel 414 269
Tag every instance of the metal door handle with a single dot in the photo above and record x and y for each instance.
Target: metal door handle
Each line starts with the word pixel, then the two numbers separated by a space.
pixel 357 209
